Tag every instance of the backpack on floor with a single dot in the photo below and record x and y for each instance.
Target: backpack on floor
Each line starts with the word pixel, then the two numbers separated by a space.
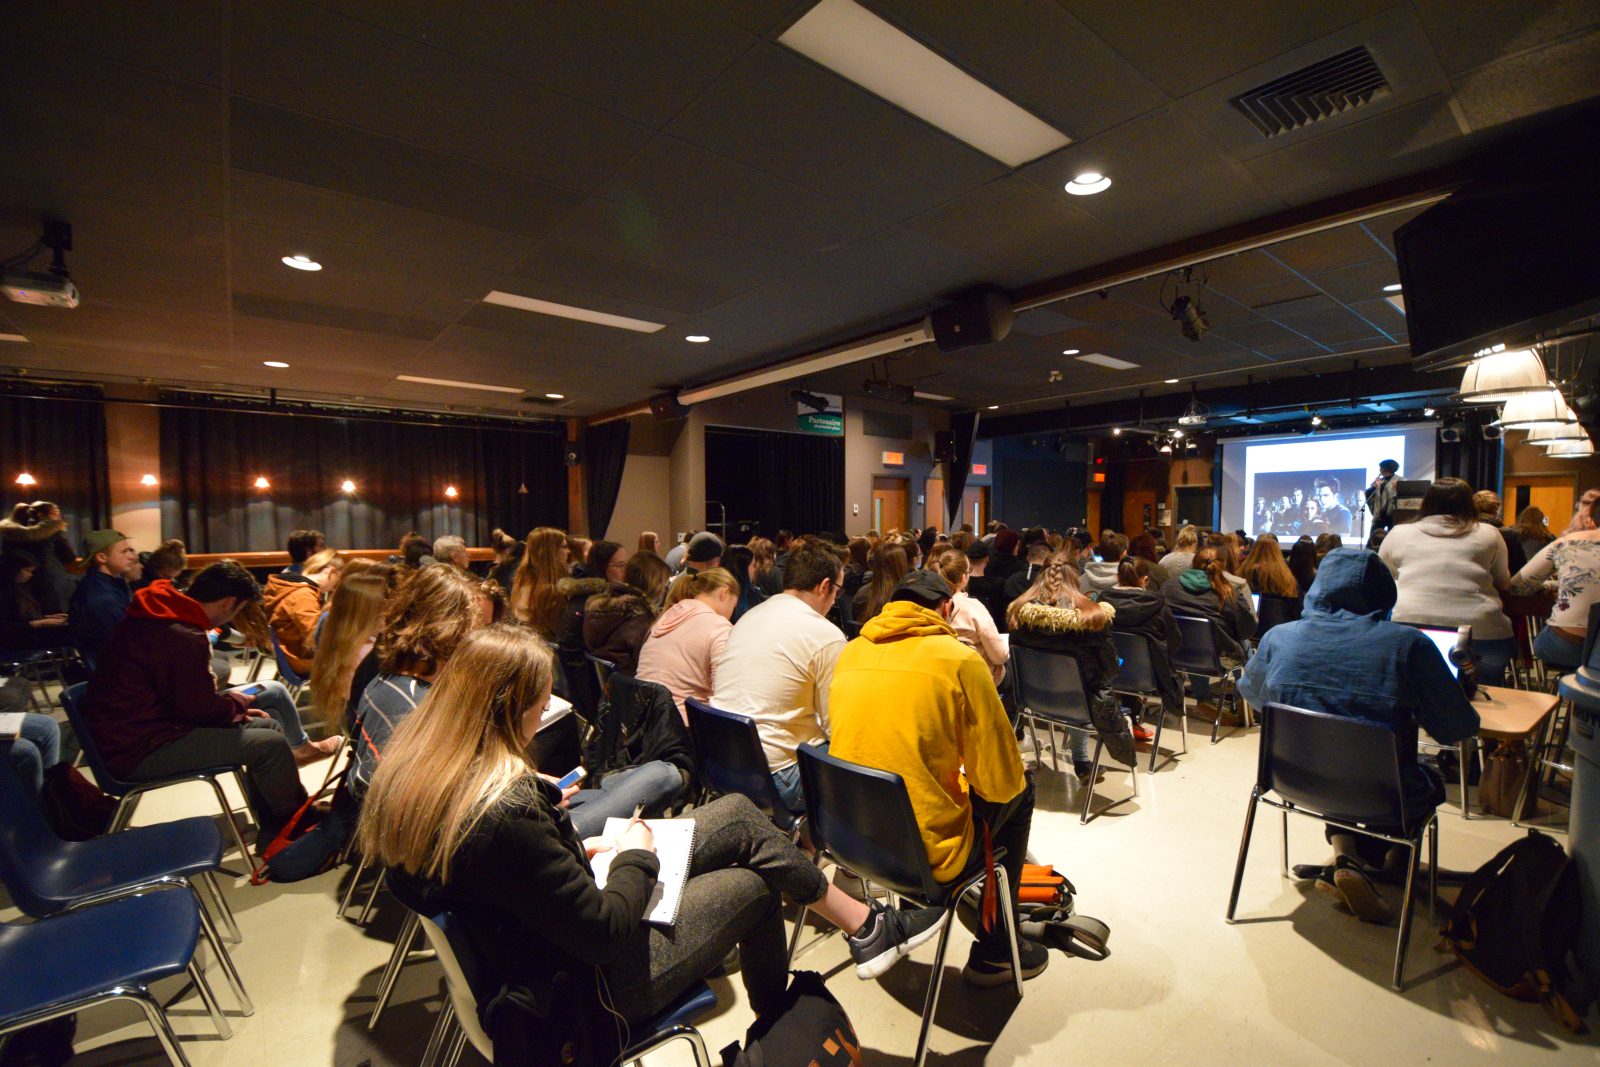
pixel 74 807
pixel 1515 925
pixel 810 1030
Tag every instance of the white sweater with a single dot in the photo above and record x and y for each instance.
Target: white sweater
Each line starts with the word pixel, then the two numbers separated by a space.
pixel 1449 574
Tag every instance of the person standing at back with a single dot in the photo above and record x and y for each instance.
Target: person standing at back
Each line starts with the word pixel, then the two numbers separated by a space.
pixel 1449 569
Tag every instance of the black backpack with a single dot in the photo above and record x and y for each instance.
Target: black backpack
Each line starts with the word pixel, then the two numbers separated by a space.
pixel 1515 925
pixel 809 1030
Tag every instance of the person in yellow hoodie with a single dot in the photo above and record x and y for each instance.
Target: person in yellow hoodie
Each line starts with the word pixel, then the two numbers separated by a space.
pixel 293 603
pixel 910 698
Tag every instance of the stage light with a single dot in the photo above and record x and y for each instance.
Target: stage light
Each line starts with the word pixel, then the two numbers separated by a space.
pixel 1427 413
pixel 262 483
pixel 450 492
pixel 347 486
pixel 148 479
pixel 299 262
pixel 1316 420
pixel 26 479
pixel 1116 431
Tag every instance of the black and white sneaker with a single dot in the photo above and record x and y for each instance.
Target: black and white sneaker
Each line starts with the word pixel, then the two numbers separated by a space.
pixel 890 934
pixel 986 973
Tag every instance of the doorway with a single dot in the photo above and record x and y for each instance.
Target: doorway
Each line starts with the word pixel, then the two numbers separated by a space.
pixel 1553 494
pixel 889 504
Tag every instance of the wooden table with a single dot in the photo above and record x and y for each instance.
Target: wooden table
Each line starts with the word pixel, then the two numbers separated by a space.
pixel 1506 715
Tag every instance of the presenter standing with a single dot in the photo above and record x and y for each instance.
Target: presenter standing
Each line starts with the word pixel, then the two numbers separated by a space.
pixel 1383 494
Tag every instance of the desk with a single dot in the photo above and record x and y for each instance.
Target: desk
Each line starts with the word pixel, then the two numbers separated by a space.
pixel 1506 715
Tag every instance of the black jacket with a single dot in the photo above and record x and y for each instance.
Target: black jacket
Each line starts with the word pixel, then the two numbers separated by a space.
pixel 1088 641
pixel 1005 566
pixel 1238 625
pixel 615 624
pixel 523 889
pixel 638 722
pixel 991 593
pixel 1144 612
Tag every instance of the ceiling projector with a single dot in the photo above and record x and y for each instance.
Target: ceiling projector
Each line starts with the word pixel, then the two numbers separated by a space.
pixel 46 290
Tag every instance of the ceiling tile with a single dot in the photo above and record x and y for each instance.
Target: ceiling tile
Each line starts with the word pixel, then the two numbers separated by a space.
pixel 180 38
pixel 1564 73
pixel 1471 33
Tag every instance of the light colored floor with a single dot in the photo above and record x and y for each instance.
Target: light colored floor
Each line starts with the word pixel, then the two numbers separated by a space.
pixel 1294 982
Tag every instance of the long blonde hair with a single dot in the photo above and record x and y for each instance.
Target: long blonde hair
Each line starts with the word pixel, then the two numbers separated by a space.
pixel 1057 586
pixel 355 611
pixel 534 597
pixel 454 758
pixel 699 583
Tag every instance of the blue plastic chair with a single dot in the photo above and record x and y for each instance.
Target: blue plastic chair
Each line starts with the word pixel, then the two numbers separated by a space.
pixel 1199 655
pixel 128 792
pixel 468 983
pixel 728 753
pixel 1136 677
pixel 292 679
pixel 1344 772
pixel 116 951
pixel 1050 689
pixel 863 819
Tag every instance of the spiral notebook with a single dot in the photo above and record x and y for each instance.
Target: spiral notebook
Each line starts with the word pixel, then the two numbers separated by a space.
pixel 674 848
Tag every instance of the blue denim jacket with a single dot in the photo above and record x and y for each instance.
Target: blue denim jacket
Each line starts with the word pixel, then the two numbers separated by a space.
pixel 1345 658
pixel 98 604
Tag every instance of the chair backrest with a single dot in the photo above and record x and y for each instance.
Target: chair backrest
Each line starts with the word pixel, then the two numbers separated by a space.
pixel 26 842
pixel 285 668
pixel 728 753
pixel 1049 685
pixel 466 978
pixel 1332 764
pixel 851 628
pixel 1275 611
pixel 864 819
pixel 72 701
pixel 1136 671
pixel 603 669
pixel 1198 651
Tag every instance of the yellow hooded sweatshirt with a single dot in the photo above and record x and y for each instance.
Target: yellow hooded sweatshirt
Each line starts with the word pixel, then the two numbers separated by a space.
pixel 908 697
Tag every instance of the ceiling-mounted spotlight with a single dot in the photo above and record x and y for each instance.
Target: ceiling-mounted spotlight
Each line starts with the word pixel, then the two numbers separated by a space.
pixel 886 390
pixel 1316 420
pixel 1165 449
pixel 1427 413
pixel 1185 308
pixel 347 486
pixel 1196 413
pixel 1116 431
pixel 47 289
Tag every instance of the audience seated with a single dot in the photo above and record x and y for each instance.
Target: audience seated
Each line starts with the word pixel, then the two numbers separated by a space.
pixel 1182 555
pixel 101 599
pixel 346 636
pixel 414 551
pixel 38 531
pixel 1533 530
pixel 604 564
pixel 1100 575
pixel 675 554
pixel 169 562
pixel 777 665
pixel 768 575
pixel 617 621
pixel 739 561
pixel 970 618
pixel 1266 572
pixel 577 551
pixel 1303 562
pixel 1488 504
pixel 856 572
pixel 24 627
pixel 1449 569
pixel 1327 542
pixel 683 645
pixel 303 544
pixel 1003 561
pixel 452 550
pixel 464 824
pixel 1141 609
pixel 1203 591
pixel 1581 518
pixel 988 591
pixel 1385 673
pixel 886 565
pixel 1227 549
pixel 294 606
pixel 35 752
pixel 507 554
pixel 648 573
pixel 1143 545
pixel 155 712
pixel 535 600
pixel 650 541
pixel 910 698
pixel 1053 614
pixel 1569 566
pixel 1038 555
pixel 704 552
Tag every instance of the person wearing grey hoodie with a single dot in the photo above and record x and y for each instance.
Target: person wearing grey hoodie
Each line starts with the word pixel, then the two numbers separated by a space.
pixel 1100 575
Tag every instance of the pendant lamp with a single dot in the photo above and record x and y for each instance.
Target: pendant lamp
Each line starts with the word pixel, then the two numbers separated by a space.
pixel 1571 449
pixel 1546 434
pixel 1496 378
pixel 1526 410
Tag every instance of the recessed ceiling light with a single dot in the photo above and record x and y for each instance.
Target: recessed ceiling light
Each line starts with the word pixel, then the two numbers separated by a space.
pixel 1088 183
pixel 453 384
pixel 555 396
pixel 567 311
pixel 262 483
pixel 858 45
pixel 278 363
pixel 1172 381
pixel 301 263
pixel 1395 288
pixel 1070 351
pixel 994 407
pixel 1116 431
pixel 347 486
pixel 697 338
pixel 1101 360
pixel 13 337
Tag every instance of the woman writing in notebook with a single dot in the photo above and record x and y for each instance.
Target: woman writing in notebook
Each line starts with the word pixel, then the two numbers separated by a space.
pixel 465 825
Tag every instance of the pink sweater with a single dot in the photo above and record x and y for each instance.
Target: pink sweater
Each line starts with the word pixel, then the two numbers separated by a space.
pixel 681 649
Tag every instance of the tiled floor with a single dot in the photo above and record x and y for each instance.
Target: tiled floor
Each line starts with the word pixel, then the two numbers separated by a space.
pixel 1294 982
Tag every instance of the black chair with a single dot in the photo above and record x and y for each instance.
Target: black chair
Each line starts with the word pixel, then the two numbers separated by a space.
pixel 1199 654
pixel 1343 772
pixel 1050 690
pixel 1136 677
pixel 603 669
pixel 1275 611
pixel 727 749
pixel 863 819
pixel 851 628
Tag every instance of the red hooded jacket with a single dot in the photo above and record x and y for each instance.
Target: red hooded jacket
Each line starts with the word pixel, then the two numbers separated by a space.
pixel 153 683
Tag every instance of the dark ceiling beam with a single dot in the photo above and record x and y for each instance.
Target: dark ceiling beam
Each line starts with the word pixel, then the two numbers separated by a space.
pixel 1392 382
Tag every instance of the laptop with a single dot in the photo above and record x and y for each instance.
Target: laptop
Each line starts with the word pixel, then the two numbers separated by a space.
pixel 1445 641
pixel 1255 598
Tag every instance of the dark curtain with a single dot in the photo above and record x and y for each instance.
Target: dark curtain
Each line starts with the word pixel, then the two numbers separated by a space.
pixel 509 477
pixel 61 441
pixel 605 452
pixel 1474 459
pixel 964 428
pixel 778 481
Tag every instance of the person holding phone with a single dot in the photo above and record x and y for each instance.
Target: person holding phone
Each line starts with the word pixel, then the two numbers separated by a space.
pixel 463 824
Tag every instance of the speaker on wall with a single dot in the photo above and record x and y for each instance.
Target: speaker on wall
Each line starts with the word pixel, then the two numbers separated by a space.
pixel 666 406
pixel 977 320
pixel 944 446
pixel 574 454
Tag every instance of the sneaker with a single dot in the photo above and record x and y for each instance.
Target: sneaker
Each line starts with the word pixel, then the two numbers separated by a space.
pixel 1143 734
pixel 891 933
pixel 1351 886
pixel 987 973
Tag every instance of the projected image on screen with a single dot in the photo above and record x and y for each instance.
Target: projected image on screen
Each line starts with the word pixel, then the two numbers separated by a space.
pixel 1308 502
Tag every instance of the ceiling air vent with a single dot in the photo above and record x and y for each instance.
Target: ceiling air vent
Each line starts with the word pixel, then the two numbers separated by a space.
pixel 1326 88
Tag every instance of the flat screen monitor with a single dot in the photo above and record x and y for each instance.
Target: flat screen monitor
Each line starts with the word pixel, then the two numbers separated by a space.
pixel 1255 598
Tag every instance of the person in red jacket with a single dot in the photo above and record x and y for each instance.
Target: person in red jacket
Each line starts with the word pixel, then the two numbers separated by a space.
pixel 153 707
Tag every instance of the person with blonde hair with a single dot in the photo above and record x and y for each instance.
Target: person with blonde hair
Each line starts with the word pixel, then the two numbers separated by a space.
pixel 347 634
pixel 464 823
pixel 293 603
pixel 971 621
pixel 535 600
pixel 680 652
pixel 1182 555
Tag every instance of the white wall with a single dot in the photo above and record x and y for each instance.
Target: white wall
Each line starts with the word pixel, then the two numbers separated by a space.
pixel 644 502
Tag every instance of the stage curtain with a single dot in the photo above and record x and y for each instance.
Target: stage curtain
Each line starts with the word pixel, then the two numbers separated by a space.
pixel 506 476
pixel 964 429
pixel 61 441
pixel 605 453
pixel 775 481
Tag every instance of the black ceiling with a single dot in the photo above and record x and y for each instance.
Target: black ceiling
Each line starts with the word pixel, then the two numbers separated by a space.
pixel 671 162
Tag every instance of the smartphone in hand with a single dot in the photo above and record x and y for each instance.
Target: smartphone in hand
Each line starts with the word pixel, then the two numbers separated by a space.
pixel 572 777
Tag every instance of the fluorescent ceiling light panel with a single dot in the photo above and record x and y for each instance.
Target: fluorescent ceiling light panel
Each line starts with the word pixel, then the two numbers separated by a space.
pixel 858 45
pixel 1107 361
pixel 13 337
pixel 450 383
pixel 920 395
pixel 567 311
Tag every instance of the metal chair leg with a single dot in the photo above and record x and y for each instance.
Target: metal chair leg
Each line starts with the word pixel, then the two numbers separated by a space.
pixel 157 1018
pixel 209 930
pixel 120 818
pixel 453 1056
pixel 372 897
pixel 1433 871
pixel 209 998
pixel 224 911
pixel 441 1033
pixel 1405 915
pixel 233 827
pixel 935 981
pixel 1088 788
pixel 1285 844
pixel 1464 753
pixel 1002 885
pixel 350 890
pixel 397 961
pixel 1244 851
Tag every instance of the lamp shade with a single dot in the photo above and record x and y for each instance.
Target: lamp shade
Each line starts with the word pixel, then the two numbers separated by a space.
pixel 1549 433
pixel 1571 449
pixel 1526 410
pixel 1496 379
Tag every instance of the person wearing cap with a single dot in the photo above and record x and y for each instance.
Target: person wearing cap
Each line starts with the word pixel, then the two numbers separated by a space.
pixel 102 597
pixel 703 553
pixel 908 697
pixel 777 665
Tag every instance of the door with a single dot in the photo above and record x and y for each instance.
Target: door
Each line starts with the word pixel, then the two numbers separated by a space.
pixel 1553 494
pixel 1138 511
pixel 889 504
pixel 975 507
pixel 933 507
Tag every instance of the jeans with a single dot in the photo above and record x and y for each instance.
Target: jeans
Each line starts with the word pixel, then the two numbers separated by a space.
pixel 275 700
pixel 654 784
pixel 1493 656
pixel 36 749
pixel 741 870
pixel 1557 649
pixel 1009 826
pixel 790 792
pixel 258 745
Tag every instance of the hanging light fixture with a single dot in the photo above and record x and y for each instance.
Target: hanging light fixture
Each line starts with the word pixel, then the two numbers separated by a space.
pixel 262 483
pixel 1526 410
pixel 451 492
pixel 26 479
pixel 1571 449
pixel 1500 376
pixel 1550 433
